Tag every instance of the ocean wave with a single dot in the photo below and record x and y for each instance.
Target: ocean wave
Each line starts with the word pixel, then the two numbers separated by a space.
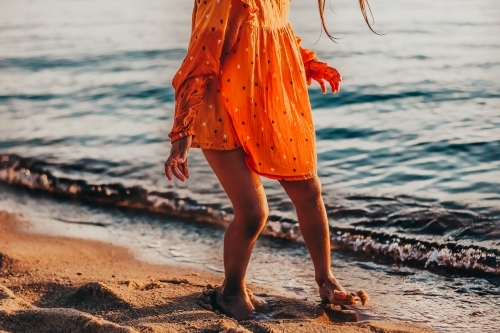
pixel 92 62
pixel 366 94
pixel 363 238
pixel 130 90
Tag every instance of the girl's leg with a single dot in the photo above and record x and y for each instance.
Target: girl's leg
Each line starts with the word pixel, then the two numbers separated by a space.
pixel 313 223
pixel 246 193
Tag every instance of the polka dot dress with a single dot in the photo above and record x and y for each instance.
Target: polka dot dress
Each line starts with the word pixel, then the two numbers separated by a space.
pixel 242 84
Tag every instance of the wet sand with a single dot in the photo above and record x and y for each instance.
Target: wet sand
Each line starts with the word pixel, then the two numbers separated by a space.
pixel 60 284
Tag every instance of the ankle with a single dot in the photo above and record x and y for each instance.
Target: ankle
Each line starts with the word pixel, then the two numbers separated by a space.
pixel 324 277
pixel 233 290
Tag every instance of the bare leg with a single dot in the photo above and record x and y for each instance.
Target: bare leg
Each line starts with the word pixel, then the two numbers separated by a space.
pixel 313 223
pixel 246 193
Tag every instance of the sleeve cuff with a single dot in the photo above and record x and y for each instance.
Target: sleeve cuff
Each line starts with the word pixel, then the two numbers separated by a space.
pixel 308 56
pixel 176 136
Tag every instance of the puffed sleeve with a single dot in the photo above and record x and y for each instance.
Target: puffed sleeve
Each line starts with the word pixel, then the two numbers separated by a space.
pixel 307 55
pixel 202 62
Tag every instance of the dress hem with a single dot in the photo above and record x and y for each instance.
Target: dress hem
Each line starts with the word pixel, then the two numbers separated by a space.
pixel 285 178
pixel 213 146
pixel 263 174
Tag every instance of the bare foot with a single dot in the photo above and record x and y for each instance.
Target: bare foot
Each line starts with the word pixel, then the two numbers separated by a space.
pixel 331 291
pixel 237 305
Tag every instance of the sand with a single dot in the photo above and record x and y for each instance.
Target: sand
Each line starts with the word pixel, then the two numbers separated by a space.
pixel 60 284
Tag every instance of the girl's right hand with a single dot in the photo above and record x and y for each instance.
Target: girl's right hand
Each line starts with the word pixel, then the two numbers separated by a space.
pixel 177 161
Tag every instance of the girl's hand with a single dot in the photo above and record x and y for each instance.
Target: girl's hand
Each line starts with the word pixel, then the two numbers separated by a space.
pixel 177 161
pixel 321 72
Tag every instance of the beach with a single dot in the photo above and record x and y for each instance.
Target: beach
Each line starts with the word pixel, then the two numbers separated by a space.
pixel 61 284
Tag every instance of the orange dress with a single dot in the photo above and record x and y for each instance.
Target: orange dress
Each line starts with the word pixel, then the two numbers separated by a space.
pixel 243 84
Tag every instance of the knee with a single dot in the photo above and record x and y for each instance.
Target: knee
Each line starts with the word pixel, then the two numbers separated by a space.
pixel 252 219
pixel 312 189
pixel 309 193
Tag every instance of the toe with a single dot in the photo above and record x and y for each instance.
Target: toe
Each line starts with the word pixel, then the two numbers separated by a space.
pixel 338 297
pixel 345 298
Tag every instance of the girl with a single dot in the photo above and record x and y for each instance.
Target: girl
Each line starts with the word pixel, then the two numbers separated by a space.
pixel 241 96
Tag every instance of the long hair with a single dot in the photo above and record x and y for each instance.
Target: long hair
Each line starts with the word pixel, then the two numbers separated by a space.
pixel 363 4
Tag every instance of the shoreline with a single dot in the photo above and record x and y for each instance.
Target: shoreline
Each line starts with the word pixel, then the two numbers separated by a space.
pixel 63 284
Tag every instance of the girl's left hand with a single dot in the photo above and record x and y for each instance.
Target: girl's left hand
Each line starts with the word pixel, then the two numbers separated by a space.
pixel 321 72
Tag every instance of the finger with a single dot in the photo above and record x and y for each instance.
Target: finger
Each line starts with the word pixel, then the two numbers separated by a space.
pixel 332 70
pixel 186 170
pixel 177 173
pixel 332 78
pixel 333 86
pixel 336 86
pixel 168 171
pixel 183 153
pixel 174 155
pixel 323 86
pixel 173 158
pixel 183 158
pixel 183 169
pixel 334 83
pixel 333 73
